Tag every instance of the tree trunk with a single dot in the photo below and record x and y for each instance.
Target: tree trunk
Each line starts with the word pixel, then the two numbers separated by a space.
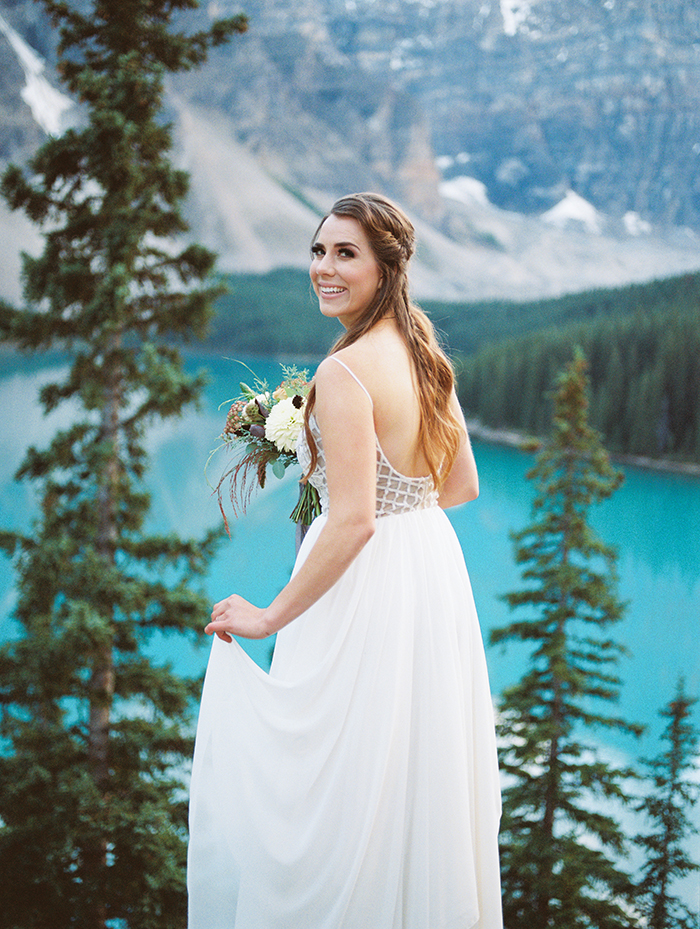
pixel 102 681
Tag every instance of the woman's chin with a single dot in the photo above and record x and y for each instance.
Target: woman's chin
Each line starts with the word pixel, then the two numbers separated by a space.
pixel 329 310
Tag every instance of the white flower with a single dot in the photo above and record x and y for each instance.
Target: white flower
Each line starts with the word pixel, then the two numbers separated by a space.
pixel 284 424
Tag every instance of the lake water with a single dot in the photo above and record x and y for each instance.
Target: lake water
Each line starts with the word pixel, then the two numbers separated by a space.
pixel 653 520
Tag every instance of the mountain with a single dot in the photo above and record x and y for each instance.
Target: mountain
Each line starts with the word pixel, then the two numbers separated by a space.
pixel 541 146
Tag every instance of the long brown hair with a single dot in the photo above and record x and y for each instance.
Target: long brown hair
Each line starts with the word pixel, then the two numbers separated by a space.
pixel 392 238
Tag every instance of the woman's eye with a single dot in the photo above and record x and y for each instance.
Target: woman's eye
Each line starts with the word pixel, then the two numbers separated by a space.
pixel 318 251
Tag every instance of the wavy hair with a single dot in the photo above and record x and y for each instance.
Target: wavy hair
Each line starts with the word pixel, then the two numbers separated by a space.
pixel 392 239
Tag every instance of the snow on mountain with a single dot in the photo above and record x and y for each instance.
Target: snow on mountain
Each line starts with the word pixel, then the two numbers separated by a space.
pixel 465 190
pixel 635 225
pixel 514 13
pixel 47 104
pixel 573 209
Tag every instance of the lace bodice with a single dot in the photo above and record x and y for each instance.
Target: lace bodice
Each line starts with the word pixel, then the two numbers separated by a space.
pixel 396 493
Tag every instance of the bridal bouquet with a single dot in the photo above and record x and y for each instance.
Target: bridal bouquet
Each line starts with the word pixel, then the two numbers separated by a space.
pixel 262 428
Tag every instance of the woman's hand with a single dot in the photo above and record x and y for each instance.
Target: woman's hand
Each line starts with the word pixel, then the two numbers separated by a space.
pixel 235 616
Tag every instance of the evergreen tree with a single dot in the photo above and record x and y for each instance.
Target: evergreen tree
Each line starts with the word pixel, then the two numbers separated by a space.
pixel 667 806
pixel 95 735
pixel 559 844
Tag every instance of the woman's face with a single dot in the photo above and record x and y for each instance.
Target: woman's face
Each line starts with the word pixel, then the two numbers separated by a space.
pixel 344 272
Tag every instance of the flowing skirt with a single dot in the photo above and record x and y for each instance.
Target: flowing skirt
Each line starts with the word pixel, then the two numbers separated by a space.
pixel 356 785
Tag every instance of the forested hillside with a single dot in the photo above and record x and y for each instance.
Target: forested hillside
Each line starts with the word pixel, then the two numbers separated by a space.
pixel 468 327
pixel 645 380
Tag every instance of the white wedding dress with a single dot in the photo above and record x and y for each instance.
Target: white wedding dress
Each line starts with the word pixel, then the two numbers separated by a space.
pixel 356 785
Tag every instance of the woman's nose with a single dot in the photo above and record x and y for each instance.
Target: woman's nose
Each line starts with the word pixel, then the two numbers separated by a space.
pixel 325 265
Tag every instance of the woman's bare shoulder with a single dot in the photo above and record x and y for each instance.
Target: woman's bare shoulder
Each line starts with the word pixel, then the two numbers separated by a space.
pixel 376 358
pixel 337 379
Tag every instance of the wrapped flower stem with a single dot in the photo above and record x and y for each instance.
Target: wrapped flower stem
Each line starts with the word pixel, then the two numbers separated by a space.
pixel 308 506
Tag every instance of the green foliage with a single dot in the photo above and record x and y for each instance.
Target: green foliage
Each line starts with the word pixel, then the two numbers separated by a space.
pixel 559 845
pixel 672 794
pixel 644 371
pixel 92 801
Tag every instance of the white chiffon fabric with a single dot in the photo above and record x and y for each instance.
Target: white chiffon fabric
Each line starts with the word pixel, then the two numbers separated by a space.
pixel 355 786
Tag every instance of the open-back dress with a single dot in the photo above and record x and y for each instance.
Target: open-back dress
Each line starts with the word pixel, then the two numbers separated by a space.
pixel 356 785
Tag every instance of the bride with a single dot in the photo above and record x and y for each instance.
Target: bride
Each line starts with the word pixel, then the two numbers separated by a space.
pixel 356 785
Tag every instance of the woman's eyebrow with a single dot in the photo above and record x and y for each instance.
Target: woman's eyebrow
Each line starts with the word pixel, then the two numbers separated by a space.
pixel 336 244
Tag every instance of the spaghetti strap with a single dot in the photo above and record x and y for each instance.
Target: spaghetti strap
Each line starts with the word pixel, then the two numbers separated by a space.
pixel 354 376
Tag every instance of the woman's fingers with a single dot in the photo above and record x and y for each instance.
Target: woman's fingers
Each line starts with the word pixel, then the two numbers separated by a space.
pixel 219 616
pixel 233 616
pixel 218 628
pixel 236 616
pixel 219 610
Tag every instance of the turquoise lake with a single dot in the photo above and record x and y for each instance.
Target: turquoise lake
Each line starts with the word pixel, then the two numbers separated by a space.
pixel 653 520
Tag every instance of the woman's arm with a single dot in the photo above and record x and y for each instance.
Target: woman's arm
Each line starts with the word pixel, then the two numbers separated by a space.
pixel 344 415
pixel 462 483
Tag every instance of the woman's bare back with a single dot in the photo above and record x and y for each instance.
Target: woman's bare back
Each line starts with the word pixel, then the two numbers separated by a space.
pixel 381 361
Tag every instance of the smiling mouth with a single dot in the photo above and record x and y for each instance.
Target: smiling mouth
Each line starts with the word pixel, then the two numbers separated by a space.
pixel 330 291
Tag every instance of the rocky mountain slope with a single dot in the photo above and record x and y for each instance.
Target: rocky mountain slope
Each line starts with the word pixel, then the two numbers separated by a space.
pixel 541 146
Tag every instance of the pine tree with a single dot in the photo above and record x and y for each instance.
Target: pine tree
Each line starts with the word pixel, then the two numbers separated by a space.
pixel 95 735
pixel 668 806
pixel 560 846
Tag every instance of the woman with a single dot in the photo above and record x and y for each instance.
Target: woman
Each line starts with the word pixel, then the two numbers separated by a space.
pixel 356 785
